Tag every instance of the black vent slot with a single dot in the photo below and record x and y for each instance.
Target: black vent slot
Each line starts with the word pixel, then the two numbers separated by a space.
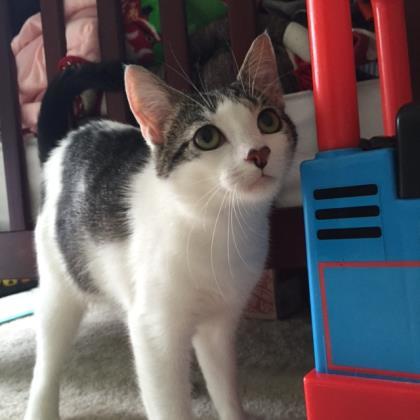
pixel 347 212
pixel 350 233
pixel 342 192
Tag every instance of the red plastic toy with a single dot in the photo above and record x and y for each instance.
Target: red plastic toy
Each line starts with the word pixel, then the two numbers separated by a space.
pixel 337 396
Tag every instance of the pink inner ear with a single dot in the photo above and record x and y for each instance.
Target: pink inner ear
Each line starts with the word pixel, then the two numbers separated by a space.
pixel 149 131
pixel 149 102
pixel 259 69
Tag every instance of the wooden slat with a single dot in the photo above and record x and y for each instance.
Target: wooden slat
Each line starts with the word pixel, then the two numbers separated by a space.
pixel 242 26
pixel 17 256
pixel 53 32
pixel 413 31
pixel 111 32
pixel 173 24
pixel 287 240
pixel 13 153
pixel 111 42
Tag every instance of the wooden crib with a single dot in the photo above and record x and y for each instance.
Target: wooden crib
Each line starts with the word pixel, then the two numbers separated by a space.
pixel 287 253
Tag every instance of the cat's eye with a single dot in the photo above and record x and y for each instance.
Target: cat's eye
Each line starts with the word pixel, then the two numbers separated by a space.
pixel 269 122
pixel 208 137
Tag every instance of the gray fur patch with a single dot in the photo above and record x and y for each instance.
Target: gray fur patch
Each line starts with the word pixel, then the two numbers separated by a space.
pixel 178 147
pixel 97 167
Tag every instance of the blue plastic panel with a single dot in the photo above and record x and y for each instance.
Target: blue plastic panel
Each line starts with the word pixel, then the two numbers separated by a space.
pixel 365 330
pixel 366 320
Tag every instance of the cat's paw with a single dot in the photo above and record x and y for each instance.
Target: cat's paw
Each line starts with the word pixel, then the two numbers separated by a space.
pixel 36 416
pixel 41 413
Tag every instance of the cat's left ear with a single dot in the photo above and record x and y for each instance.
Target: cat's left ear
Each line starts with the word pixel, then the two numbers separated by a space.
pixel 259 71
pixel 151 101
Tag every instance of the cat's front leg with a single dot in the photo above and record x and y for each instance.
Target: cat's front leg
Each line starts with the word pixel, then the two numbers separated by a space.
pixel 162 348
pixel 214 343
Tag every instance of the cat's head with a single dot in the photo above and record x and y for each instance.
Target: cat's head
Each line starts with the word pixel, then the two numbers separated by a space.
pixel 234 140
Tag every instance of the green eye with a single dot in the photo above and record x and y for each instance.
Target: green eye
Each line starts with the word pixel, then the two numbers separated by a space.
pixel 208 138
pixel 269 122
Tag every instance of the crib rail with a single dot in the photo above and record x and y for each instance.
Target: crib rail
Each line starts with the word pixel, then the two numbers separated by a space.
pixel 14 162
pixel 52 17
pixel 242 14
pixel 16 255
pixel 111 43
pixel 173 23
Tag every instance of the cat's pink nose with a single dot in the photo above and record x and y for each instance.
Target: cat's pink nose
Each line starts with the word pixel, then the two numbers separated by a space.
pixel 259 157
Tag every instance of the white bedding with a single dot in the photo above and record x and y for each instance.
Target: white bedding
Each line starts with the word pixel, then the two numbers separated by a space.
pixel 301 110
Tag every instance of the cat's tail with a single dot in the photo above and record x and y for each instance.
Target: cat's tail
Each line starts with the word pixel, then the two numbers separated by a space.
pixel 53 121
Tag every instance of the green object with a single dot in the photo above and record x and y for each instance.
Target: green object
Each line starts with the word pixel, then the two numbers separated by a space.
pixel 199 14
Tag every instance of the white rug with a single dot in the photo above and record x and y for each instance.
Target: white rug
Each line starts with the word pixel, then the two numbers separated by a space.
pixel 17 306
pixel 99 381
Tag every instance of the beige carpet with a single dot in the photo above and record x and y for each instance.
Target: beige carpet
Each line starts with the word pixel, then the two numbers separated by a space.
pixel 99 381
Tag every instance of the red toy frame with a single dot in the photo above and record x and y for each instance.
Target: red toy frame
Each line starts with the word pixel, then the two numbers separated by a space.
pixel 336 397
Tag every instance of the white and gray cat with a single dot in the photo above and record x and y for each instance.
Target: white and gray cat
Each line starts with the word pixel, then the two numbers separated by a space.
pixel 169 221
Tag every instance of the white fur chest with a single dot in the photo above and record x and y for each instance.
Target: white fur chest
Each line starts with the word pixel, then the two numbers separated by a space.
pixel 214 261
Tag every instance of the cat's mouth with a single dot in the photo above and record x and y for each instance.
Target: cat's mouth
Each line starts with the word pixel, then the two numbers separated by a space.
pixel 260 183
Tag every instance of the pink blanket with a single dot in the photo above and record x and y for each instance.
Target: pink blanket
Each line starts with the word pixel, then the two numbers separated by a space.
pixel 28 48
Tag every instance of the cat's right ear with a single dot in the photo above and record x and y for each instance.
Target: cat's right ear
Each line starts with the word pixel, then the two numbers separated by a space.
pixel 259 70
pixel 151 101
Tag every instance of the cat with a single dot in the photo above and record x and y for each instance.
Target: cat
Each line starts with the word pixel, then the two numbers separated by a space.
pixel 170 221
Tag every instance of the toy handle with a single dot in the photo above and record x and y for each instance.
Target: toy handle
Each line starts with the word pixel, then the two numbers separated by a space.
pixel 333 73
pixel 394 65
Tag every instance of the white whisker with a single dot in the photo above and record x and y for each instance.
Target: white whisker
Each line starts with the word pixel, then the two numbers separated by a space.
pixel 256 72
pixel 212 245
pixel 212 192
pixel 249 268
pixel 228 234
pixel 188 97
pixel 237 68
pixel 237 218
pixel 206 204
pixel 188 80
pixel 244 219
